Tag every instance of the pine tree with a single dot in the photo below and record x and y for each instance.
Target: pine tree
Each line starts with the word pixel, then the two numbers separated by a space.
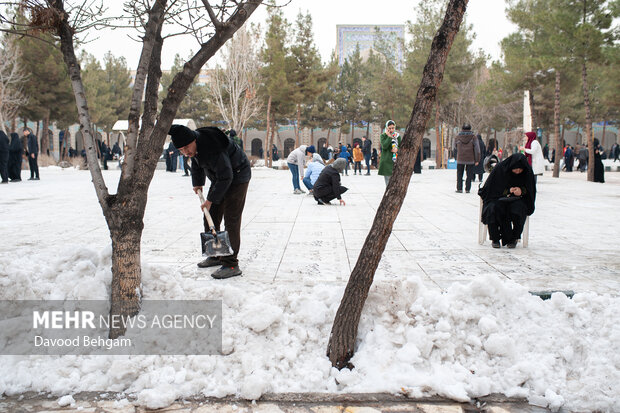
pixel 275 88
pixel 196 103
pixel 48 88
pixel 305 71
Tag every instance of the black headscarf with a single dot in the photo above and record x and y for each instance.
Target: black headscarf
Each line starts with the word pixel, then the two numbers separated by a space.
pixel 4 142
pixel 16 144
pixel 502 178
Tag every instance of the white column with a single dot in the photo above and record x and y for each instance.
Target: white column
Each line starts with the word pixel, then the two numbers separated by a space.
pixel 527 112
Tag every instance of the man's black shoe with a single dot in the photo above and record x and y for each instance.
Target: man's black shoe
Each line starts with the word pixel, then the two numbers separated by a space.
pixel 512 244
pixel 226 272
pixel 209 262
pixel 467 191
pixel 460 191
pixel 496 244
pixel 322 202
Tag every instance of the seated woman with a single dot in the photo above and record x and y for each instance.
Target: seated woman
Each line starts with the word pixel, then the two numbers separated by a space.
pixel 508 197
pixel 314 169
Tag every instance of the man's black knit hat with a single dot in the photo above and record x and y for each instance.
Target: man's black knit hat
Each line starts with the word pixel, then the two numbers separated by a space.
pixel 181 135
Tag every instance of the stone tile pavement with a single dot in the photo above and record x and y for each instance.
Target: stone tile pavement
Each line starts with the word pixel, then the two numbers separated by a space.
pixel 287 403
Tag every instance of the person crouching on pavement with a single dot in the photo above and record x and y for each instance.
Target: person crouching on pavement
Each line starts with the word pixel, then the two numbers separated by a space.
pixel 327 186
pixel 217 157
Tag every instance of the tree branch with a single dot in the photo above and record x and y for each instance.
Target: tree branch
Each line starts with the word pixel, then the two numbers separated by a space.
pixel 216 23
pixel 153 26
pixel 65 33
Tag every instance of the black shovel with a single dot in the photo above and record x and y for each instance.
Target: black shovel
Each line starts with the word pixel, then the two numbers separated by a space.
pixel 214 243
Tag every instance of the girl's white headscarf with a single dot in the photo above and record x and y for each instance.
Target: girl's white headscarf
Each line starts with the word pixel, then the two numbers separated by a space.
pixel 396 134
pixel 317 158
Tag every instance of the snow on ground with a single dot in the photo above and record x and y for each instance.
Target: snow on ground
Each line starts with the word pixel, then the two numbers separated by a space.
pixel 445 316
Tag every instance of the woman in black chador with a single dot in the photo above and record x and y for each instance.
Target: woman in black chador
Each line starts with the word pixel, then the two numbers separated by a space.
pixel 508 197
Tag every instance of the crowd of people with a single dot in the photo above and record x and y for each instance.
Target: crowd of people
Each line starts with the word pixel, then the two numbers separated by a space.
pixel 11 155
pixel 508 194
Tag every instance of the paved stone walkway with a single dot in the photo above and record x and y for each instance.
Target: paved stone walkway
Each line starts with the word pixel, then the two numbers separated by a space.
pixel 288 403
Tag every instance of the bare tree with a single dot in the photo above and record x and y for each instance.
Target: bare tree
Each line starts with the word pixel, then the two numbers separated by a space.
pixel 212 26
pixel 12 78
pixel 344 330
pixel 233 88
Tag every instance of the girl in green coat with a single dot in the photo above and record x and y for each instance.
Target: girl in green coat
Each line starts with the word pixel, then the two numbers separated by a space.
pixel 390 142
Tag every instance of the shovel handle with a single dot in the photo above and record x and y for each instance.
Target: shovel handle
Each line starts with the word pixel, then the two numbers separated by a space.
pixel 206 212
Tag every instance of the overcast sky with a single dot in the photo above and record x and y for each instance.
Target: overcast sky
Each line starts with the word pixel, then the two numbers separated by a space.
pixel 487 16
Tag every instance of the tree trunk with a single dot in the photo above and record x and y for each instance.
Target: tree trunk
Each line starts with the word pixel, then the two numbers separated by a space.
pixel 297 140
pixel 590 137
pixel 438 149
pixel 556 126
pixel 603 137
pixel 45 137
pixel 13 125
pixel 352 132
pixel 267 139
pixel 124 211
pixel 341 345
pixel 126 287
pixel 368 130
pixel 532 113
pixel 273 130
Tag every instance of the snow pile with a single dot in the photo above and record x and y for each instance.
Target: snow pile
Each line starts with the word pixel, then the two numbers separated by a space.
pixel 487 336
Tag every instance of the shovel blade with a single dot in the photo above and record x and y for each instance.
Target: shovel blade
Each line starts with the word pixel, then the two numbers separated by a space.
pixel 215 246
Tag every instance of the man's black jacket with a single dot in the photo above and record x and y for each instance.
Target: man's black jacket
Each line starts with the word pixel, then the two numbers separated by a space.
pixel 328 183
pixel 367 147
pixel 221 160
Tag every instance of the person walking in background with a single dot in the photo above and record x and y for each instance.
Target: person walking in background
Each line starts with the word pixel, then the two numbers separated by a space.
pixel 173 154
pixel 296 161
pixel 374 158
pixel 324 152
pixel 616 153
pixel 599 169
pixel 467 157
pixel 344 154
pixel 15 158
pixel 327 186
pixel 582 158
pixel 116 151
pixel 4 157
pixel 33 154
pixel 358 156
pixel 367 152
pixel 390 142
pixel 314 169
pixel 508 197
pixel 545 151
pixel 534 154
pixel 274 153
pixel 479 169
pixel 569 159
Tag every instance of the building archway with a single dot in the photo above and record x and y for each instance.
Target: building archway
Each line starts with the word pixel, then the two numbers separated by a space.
pixel 320 143
pixel 289 145
pixel 257 147
pixel 358 141
pixel 426 148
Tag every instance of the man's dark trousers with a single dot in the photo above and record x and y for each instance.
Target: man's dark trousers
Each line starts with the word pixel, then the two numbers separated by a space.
pixel 231 210
pixel 367 159
pixel 34 166
pixel 460 168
